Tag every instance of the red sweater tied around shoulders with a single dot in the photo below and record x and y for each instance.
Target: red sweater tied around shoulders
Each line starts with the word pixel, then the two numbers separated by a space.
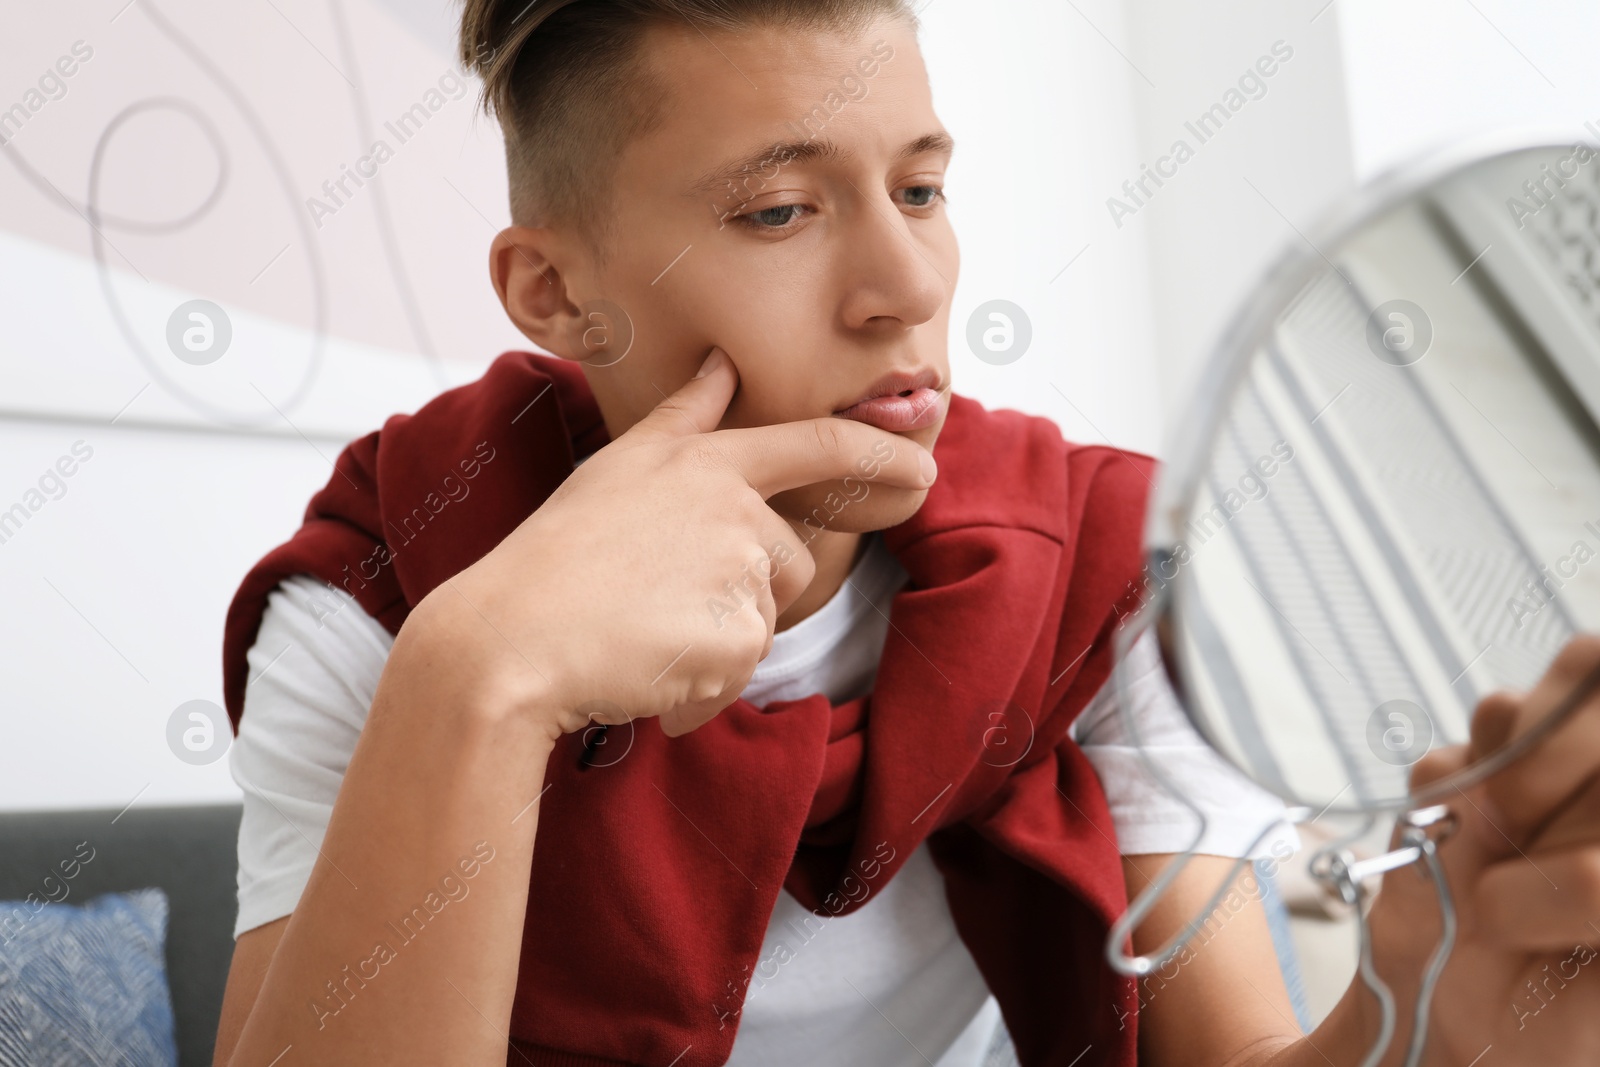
pixel 655 876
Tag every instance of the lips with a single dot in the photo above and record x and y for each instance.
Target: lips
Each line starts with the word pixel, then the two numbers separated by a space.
pixel 898 402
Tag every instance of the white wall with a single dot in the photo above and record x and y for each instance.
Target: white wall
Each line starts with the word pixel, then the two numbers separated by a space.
pixel 1273 166
pixel 1427 72
pixel 1040 108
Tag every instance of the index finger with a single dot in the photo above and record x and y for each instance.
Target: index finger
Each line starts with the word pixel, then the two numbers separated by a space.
pixel 1539 784
pixel 791 454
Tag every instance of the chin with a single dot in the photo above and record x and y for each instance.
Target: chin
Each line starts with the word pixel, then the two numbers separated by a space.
pixel 848 507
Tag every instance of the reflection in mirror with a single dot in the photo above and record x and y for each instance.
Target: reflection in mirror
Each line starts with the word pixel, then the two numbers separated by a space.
pixel 1401 510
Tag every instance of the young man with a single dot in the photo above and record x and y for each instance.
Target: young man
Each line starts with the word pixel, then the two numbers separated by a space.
pixel 861 779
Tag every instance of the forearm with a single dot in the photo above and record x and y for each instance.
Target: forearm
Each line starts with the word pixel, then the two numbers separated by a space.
pixel 1221 1002
pixel 404 946
pixel 1342 1039
pixel 1353 1026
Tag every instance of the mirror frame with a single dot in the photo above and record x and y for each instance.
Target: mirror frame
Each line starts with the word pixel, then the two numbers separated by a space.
pixel 1197 432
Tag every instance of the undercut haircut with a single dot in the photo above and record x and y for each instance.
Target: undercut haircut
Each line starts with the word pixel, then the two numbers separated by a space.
pixel 568 83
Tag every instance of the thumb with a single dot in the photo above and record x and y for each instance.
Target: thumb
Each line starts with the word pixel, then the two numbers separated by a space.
pixel 698 406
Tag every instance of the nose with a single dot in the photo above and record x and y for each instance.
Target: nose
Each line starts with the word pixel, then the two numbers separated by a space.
pixel 893 269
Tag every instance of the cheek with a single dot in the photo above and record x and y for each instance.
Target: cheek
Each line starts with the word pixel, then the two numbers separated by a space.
pixel 770 393
pixel 778 334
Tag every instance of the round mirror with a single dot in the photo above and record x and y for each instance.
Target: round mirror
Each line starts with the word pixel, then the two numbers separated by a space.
pixel 1388 504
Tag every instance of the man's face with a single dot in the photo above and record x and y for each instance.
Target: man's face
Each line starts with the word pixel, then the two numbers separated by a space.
pixel 819 273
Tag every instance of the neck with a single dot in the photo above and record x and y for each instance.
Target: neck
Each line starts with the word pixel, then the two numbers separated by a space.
pixel 835 553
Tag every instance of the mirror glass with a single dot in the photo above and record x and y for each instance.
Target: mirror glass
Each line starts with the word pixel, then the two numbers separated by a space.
pixel 1399 512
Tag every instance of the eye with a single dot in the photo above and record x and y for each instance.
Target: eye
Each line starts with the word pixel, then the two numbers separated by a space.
pixel 772 218
pixel 923 195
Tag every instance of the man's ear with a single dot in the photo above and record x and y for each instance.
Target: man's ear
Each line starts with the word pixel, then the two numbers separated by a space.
pixel 522 265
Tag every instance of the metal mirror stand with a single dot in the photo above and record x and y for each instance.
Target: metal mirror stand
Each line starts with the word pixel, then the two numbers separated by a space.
pixel 1333 866
pixel 1419 832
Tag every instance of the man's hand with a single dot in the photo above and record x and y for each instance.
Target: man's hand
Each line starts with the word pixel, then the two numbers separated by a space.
pixel 1523 984
pixel 603 597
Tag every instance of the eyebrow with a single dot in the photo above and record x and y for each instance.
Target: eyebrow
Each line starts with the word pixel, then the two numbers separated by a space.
pixel 813 150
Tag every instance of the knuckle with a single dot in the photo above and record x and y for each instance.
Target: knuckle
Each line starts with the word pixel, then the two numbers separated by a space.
pixel 748 507
pixel 670 409
pixel 1494 720
pixel 1586 869
pixel 757 567
pixel 829 434
pixel 697 454
pixel 704 689
pixel 802 570
pixel 1580 656
pixel 1435 765
pixel 803 562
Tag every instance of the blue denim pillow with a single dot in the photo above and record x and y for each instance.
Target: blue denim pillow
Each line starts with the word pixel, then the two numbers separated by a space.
pixel 87 983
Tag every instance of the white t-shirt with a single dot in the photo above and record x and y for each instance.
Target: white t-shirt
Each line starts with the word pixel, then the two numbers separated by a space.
pixel 890 984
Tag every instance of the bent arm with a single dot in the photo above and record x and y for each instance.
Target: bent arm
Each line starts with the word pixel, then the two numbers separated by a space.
pixel 404 945
pixel 1222 1002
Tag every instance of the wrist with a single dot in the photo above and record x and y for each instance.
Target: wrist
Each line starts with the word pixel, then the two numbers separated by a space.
pixel 450 640
pixel 1356 1021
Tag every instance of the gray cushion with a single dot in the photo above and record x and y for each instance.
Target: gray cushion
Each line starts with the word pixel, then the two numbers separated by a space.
pixel 192 853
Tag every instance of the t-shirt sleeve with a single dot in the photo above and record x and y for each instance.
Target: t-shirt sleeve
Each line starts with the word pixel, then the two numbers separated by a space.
pixel 1148 819
pixel 313 671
